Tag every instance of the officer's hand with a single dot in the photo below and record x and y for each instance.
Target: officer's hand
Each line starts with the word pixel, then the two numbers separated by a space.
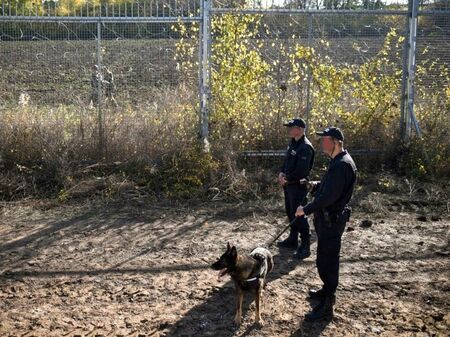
pixel 282 179
pixel 299 211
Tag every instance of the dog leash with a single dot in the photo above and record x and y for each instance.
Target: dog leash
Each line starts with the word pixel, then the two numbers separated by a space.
pixel 271 243
pixel 281 232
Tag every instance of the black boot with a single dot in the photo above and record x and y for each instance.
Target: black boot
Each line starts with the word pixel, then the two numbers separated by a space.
pixel 323 310
pixel 316 294
pixel 290 242
pixel 304 250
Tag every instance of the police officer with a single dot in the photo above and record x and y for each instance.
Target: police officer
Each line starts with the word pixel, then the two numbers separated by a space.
pixel 96 79
pixel 110 86
pixel 297 165
pixel 331 213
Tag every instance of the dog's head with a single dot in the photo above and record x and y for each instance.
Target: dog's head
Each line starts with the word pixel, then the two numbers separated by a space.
pixel 226 262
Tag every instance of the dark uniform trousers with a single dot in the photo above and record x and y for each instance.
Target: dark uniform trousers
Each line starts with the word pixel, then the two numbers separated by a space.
pixel 294 196
pixel 329 235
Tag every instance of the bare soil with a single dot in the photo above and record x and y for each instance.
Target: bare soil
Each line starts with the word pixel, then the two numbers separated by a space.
pixel 133 268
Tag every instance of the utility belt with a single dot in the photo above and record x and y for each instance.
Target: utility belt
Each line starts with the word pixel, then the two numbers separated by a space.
pixel 332 218
pixel 296 182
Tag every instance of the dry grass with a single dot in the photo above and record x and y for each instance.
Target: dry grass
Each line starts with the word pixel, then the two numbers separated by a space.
pixel 47 148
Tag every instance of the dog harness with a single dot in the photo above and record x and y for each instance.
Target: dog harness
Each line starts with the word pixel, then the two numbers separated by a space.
pixel 262 268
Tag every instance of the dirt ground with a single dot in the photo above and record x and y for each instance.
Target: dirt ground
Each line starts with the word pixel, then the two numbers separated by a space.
pixel 133 268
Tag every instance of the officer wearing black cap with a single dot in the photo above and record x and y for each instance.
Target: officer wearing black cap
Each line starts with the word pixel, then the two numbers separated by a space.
pixel 297 165
pixel 331 213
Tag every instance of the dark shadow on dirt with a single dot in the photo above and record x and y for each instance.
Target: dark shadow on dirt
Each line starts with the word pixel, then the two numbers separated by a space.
pixel 96 272
pixel 90 224
pixel 312 329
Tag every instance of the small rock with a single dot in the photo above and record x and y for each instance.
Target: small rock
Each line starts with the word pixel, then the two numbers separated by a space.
pixel 414 207
pixel 435 218
pixel 438 316
pixel 366 223
pixel 422 218
pixel 375 330
pixel 350 229
pixel 402 292
pixel 420 243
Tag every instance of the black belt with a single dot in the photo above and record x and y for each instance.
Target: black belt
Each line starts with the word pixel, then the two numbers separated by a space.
pixel 290 183
pixel 335 216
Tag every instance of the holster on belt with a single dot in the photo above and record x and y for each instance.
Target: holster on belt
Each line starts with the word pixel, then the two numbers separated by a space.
pixel 330 218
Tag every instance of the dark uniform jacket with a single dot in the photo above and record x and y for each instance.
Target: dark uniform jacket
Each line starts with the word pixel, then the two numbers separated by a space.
pixel 299 160
pixel 336 187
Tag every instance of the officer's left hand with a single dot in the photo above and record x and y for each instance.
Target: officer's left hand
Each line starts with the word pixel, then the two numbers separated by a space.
pixel 282 179
pixel 299 211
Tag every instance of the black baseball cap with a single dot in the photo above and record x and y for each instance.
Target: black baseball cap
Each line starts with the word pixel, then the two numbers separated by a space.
pixel 296 122
pixel 332 132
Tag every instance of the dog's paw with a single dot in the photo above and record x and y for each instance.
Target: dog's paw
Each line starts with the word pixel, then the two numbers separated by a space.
pixel 237 321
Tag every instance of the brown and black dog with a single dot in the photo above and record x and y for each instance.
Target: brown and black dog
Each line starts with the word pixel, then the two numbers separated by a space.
pixel 248 273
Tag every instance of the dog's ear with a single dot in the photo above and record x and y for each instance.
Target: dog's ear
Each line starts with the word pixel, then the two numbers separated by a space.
pixel 228 246
pixel 234 252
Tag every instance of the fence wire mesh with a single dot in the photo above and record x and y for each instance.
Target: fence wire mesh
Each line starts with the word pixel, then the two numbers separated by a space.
pixel 56 62
pixel 433 59
pixel 111 87
pixel 92 8
pixel 115 57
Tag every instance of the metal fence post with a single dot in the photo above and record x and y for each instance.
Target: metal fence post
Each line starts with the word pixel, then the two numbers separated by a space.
pixel 101 145
pixel 403 97
pixel 408 116
pixel 205 48
pixel 308 88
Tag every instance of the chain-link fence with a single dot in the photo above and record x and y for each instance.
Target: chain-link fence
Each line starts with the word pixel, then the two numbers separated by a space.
pixel 60 62
pixel 433 54
pixel 102 59
pixel 117 78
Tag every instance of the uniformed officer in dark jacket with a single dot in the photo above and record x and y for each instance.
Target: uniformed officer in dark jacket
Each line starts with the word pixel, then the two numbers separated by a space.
pixel 331 213
pixel 297 165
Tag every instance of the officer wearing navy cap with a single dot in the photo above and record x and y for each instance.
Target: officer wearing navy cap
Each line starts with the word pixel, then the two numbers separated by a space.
pixel 297 164
pixel 331 213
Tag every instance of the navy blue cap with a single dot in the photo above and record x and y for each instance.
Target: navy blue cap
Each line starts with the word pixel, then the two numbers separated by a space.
pixel 296 122
pixel 332 132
